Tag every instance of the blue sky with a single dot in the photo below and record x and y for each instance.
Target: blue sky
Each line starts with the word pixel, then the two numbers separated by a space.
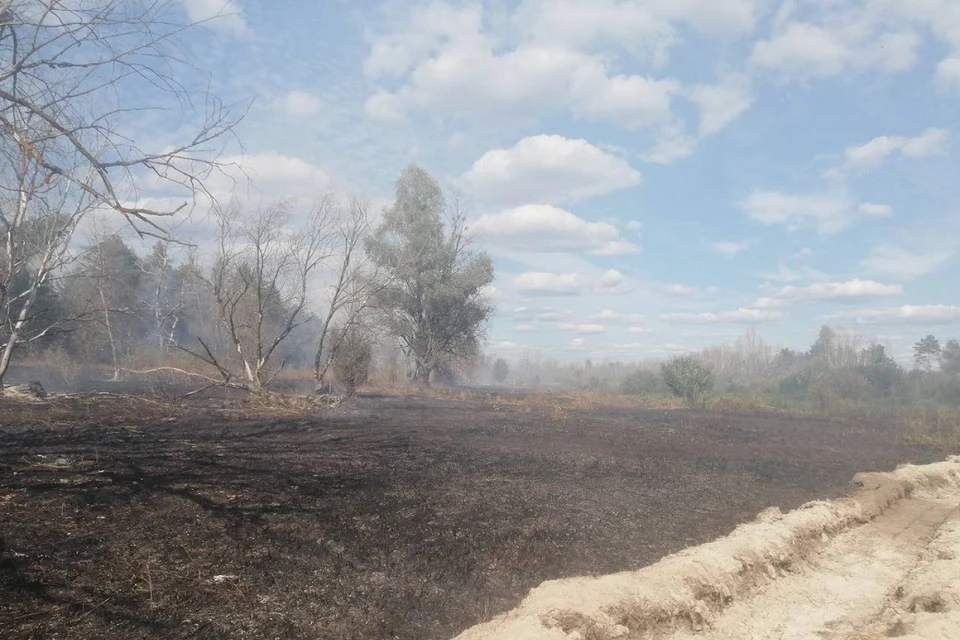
pixel 650 176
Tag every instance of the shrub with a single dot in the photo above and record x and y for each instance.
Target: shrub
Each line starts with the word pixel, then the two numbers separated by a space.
pixel 641 383
pixel 351 359
pixel 688 378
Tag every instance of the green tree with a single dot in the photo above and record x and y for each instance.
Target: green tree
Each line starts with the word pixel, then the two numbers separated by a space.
pixel 881 371
pixel 105 292
pixel 434 303
pixel 926 353
pixel 688 378
pixel 950 357
pixel 500 371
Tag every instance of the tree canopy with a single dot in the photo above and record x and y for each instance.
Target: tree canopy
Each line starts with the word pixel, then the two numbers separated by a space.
pixel 434 303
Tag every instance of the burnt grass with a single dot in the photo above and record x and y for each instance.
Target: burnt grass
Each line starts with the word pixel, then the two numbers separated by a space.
pixel 388 517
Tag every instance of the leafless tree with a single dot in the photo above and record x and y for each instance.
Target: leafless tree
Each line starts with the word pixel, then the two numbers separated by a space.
pixel 260 281
pixel 352 292
pixel 77 79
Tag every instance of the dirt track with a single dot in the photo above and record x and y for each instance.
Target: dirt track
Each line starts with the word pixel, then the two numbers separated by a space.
pixel 884 562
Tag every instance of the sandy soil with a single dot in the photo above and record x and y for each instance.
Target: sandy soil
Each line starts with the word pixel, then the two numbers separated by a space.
pixel 883 562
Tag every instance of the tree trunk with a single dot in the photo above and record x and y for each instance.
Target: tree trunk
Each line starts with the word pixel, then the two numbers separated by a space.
pixel 422 374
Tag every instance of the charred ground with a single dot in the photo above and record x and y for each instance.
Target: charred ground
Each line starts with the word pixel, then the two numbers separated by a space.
pixel 389 517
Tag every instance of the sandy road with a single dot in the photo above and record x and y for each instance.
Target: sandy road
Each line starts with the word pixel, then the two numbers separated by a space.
pixel 874 581
pixel 883 562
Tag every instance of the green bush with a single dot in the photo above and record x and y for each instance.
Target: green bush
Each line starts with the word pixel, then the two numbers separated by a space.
pixel 642 383
pixel 688 378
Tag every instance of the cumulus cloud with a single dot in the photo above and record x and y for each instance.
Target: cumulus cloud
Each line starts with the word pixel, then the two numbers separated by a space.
pixel 298 103
pixel 872 154
pixel 648 27
pixel 451 59
pixel 584 329
pixel 738 316
pixel 639 329
pixel 721 103
pixel 548 168
pixel 610 316
pixel 544 228
pixel 930 314
pixel 611 279
pixel 541 314
pixel 826 212
pixel 847 291
pixel 897 262
pixel 947 76
pixel 540 283
pixel 678 290
pixel 801 50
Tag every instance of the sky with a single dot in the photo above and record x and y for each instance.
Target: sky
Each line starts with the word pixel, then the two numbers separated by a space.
pixel 650 176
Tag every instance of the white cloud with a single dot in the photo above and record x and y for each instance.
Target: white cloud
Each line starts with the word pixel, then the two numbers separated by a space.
pixel 873 210
pixel 548 168
pixel 847 291
pixel 648 27
pixel 802 50
pixel 639 329
pixel 611 279
pixel 541 314
pixel 614 317
pixel 464 69
pixel 896 262
pixel 634 102
pixel 678 290
pixel 634 225
pixel 576 343
pixel 947 77
pixel 931 142
pixel 223 15
pixel 670 147
pixel 721 103
pixel 525 328
pixel 730 248
pixel 543 228
pixel 930 314
pixel 299 103
pixel 584 329
pixel 540 283
pixel 827 212
pixel 417 32
pixel 872 154
pixel 739 316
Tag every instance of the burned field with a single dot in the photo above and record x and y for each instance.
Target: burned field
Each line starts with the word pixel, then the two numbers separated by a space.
pixel 388 517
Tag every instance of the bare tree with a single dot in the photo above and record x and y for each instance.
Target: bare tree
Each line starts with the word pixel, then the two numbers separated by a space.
pixel 260 282
pixel 76 80
pixel 354 289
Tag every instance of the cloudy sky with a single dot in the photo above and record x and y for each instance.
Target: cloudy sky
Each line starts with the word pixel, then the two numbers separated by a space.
pixel 650 176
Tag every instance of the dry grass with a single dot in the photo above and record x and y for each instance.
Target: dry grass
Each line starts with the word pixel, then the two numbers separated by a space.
pixel 935 426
